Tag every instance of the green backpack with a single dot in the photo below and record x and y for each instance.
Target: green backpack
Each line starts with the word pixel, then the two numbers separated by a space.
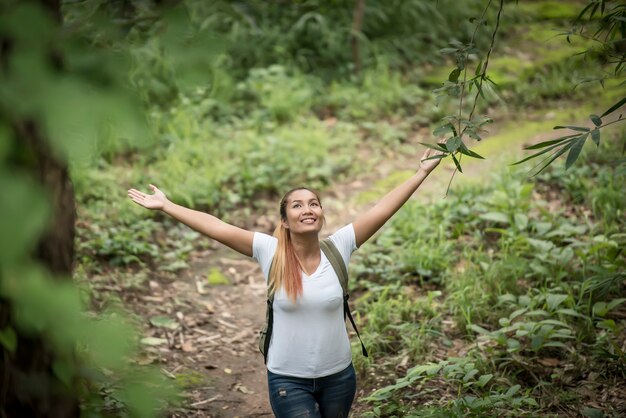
pixel 333 255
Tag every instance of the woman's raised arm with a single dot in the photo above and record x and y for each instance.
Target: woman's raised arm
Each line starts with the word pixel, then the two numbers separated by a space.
pixel 234 237
pixel 373 219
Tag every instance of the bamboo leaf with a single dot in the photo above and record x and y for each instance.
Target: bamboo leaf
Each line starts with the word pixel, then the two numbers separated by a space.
pixel 574 128
pixel 596 120
pixel 584 10
pixel 436 147
pixel 544 151
pixel 552 141
pixel 575 151
pixel 554 156
pixel 435 157
pixel 480 89
pixel 464 150
pixel 595 136
pixel 479 68
pixel 457 163
pixel 614 107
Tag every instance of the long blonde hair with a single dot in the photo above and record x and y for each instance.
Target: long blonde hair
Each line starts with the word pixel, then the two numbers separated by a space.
pixel 286 268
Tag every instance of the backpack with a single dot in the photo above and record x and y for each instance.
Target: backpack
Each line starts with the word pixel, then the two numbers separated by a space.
pixel 333 255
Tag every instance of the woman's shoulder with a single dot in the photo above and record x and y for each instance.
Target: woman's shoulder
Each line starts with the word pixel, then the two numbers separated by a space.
pixel 263 247
pixel 344 238
pixel 344 231
pixel 263 238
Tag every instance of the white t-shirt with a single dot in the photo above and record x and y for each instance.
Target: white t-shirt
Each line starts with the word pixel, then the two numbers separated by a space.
pixel 309 337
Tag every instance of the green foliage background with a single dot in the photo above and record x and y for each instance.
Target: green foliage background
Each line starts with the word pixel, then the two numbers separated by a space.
pixel 212 100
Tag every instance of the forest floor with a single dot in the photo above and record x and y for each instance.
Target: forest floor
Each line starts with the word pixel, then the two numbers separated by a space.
pixel 212 353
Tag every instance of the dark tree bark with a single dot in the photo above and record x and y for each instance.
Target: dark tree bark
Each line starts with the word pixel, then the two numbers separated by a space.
pixel 28 385
pixel 357 24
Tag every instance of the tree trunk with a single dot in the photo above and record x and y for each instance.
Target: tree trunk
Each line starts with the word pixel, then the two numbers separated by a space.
pixel 357 24
pixel 28 385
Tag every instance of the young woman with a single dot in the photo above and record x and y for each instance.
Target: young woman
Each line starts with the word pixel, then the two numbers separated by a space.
pixel 309 363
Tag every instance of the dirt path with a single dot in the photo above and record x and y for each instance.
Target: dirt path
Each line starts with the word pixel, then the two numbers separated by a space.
pixel 215 354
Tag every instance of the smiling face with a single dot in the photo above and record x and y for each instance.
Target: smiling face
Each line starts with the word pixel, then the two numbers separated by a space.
pixel 302 212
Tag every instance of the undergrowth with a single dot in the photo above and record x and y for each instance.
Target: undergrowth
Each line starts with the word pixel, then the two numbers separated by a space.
pixel 501 300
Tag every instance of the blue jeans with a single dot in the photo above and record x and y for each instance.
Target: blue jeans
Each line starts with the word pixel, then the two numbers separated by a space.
pixel 322 397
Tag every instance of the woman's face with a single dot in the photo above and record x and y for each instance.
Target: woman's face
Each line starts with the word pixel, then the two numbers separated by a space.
pixel 304 212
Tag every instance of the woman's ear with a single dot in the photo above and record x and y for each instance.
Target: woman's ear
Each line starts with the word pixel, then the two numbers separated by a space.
pixel 284 223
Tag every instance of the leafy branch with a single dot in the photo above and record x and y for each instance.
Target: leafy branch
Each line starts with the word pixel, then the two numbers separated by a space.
pixel 457 126
pixel 611 35
pixel 573 143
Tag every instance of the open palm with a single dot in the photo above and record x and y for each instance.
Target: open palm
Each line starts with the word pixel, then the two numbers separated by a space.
pixel 151 201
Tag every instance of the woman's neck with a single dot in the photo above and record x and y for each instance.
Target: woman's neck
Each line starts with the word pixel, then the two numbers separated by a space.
pixel 306 246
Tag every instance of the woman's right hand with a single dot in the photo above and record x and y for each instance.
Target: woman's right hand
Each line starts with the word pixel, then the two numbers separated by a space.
pixel 156 200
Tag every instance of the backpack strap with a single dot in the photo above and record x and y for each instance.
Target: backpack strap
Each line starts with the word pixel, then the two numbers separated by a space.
pixel 266 332
pixel 333 255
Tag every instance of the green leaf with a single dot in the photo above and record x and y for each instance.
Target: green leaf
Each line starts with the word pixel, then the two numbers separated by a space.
pixel 453 144
pixel 24 215
pixel 554 300
pixel 469 375
pixel 64 371
pixel 454 75
pixel 521 221
pixel 570 312
pixel 546 150
pixel 495 217
pixel 457 163
pixel 583 11
pixel 573 128
pixel 8 339
pixel 596 120
pixel 448 50
pixel 542 245
pixel 484 379
pixel 612 304
pixel 575 151
pixel 443 129
pixel 595 136
pixel 435 157
pixel 552 141
pixel 600 309
pixel 607 324
pixel 517 313
pixel 555 344
pixel 554 322
pixel 464 150
pixel 616 106
pixel 512 391
pixel 436 147
pixel 479 329
pixel 479 67
pixel 554 156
